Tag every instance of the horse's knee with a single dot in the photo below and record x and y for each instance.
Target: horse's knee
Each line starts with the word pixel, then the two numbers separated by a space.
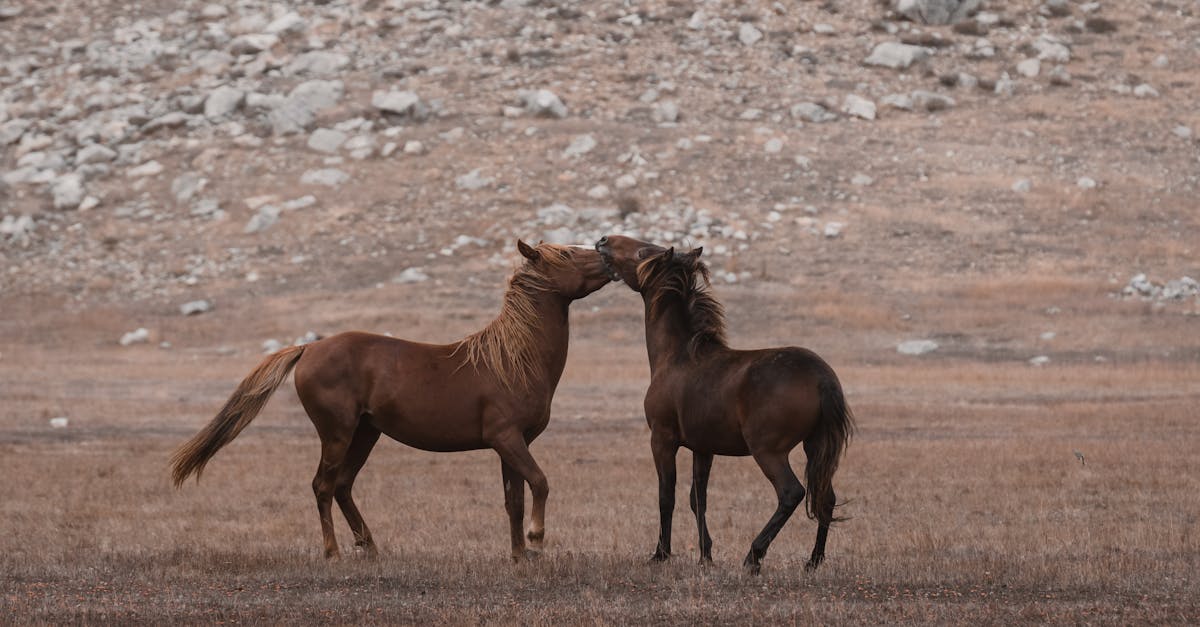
pixel 792 496
pixel 539 487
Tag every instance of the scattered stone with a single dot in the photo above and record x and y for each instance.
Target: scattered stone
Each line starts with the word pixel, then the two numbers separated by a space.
pixel 150 168
pixel 89 203
pixel 861 180
pixel 326 140
pixel 223 101
pixel 1029 68
pixel 308 338
pixel 916 347
pixel 59 422
pixel 773 146
pixel 195 307
pixel 287 24
pixel 665 112
pixel 1145 91
pixel 903 102
pixel 252 44
pixel 580 145
pixel 67 191
pixel 1086 183
pixel 472 181
pixel 398 102
pixel 1182 132
pixel 626 181
pixel 748 34
pixel 329 177
pixel 139 336
pixel 858 106
pixel 174 119
pixel 1161 62
pixel 1040 360
pixel 936 11
pixel 299 110
pixel 214 11
pixel 1059 76
pixel 598 192
pixel 812 112
pixel 1176 289
pixel 833 229
pixel 896 55
pixel 931 101
pixel 413 147
pixel 543 102
pixel 17 228
pixel 697 21
pixel 1022 186
pixel 187 185
pixel 94 153
pixel 411 275
pixel 272 346
pixel 1052 49
pixel 263 219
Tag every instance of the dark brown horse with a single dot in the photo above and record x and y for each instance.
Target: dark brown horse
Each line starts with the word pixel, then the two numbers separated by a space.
pixel 490 390
pixel 718 401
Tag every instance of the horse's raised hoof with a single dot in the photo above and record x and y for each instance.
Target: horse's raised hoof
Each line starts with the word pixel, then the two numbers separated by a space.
pixel 366 551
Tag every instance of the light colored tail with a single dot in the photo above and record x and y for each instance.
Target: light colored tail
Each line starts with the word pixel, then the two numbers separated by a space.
pixel 245 403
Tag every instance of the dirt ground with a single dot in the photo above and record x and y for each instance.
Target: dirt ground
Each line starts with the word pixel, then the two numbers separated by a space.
pixel 980 488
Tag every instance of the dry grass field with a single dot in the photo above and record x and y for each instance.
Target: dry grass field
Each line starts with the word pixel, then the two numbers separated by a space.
pixel 965 498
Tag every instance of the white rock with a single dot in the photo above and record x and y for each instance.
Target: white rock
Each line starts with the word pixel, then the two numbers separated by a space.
pixel 543 102
pixel 598 192
pixel 316 63
pixel 773 146
pixel 411 275
pixel 263 219
pixel 59 422
pixel 833 229
pixel 187 185
pixel 89 203
pixel 896 55
pixel 1145 91
pixel 94 153
pixel 1029 68
pixel 1161 61
pixel 1182 132
pixel 859 107
pixel 748 34
pixel 697 21
pixel 329 177
pixel 214 11
pixel 252 44
pixel 665 112
pixel 139 336
pixel 150 168
pixel 326 140
pixel 413 147
pixel 626 181
pixel 195 307
pixel 931 101
pixel 1040 360
pixel 936 11
pixel 903 102
pixel 67 191
pixel 299 110
pixel 472 181
pixel 271 346
pixel 916 347
pixel 812 112
pixel 397 102
pixel 288 23
pixel 1022 186
pixel 580 145
pixel 223 101
pixel 1050 48
pixel 1085 182
pixel 862 180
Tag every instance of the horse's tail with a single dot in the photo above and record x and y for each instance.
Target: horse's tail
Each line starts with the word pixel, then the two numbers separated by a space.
pixel 824 449
pixel 245 403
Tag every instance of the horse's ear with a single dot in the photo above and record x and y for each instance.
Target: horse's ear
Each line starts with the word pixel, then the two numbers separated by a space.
pixel 667 254
pixel 528 251
pixel 694 254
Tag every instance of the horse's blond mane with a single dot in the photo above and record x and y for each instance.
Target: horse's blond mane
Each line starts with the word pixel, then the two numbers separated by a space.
pixel 508 346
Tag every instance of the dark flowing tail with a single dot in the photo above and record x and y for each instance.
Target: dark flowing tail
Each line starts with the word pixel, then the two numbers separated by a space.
pixel 245 403
pixel 825 447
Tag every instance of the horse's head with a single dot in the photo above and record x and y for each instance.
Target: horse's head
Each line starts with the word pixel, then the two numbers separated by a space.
pixel 572 271
pixel 639 263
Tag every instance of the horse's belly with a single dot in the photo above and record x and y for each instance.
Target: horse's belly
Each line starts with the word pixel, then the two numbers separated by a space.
pixel 715 437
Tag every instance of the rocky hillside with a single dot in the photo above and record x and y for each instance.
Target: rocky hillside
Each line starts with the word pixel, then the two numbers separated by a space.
pixel 168 150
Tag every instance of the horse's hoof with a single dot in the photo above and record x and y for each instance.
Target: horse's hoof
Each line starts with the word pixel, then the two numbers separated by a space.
pixel 366 551
pixel 812 565
pixel 706 561
pixel 528 555
pixel 536 540
pixel 752 566
pixel 660 556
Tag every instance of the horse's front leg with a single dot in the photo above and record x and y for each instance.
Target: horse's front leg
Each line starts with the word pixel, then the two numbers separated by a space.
pixel 516 459
pixel 664 449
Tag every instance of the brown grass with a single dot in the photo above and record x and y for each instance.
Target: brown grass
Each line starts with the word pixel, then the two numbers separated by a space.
pixel 965 499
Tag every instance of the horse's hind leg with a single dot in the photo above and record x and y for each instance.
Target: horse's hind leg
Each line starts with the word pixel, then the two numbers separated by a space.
pixel 790 494
pixel 365 437
pixel 824 519
pixel 701 465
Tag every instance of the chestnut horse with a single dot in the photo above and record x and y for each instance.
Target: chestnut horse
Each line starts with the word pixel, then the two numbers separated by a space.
pixel 718 401
pixel 490 390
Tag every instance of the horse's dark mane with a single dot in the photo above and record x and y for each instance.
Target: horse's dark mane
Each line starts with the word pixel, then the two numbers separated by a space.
pixel 689 279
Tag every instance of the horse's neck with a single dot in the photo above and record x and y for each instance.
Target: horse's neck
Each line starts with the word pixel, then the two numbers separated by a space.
pixel 552 332
pixel 667 330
